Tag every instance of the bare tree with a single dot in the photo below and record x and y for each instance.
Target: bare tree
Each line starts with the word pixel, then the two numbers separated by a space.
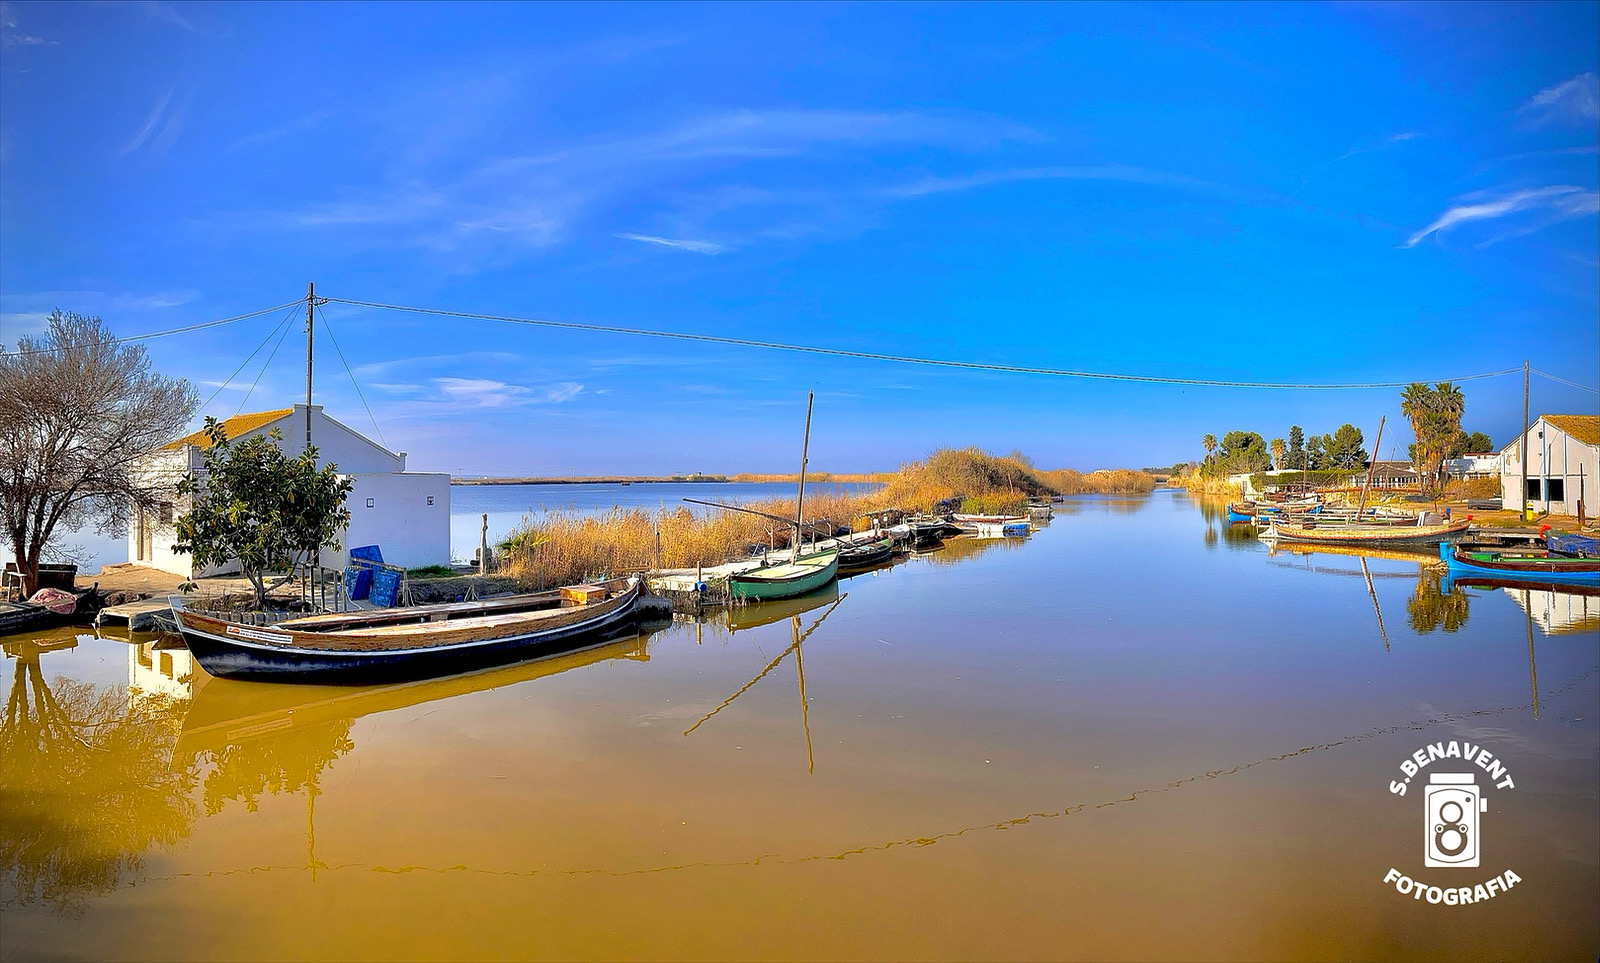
pixel 76 408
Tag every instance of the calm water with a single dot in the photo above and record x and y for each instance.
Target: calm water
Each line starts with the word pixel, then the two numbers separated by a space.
pixel 1134 736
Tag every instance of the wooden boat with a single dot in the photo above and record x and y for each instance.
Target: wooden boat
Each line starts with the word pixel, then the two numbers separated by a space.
pixel 742 617
pixel 963 519
pixel 1533 565
pixel 388 645
pixel 17 618
pixel 1364 534
pixel 785 579
pixel 865 555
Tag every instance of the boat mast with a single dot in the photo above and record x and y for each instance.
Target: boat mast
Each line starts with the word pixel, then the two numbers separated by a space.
pixel 1370 468
pixel 800 502
pixel 311 302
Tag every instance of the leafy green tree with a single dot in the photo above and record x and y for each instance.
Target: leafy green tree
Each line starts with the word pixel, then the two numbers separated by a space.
pixel 1475 442
pixel 1343 448
pixel 1243 451
pixel 1435 416
pixel 255 505
pixel 1297 449
pixel 1279 449
pixel 1316 458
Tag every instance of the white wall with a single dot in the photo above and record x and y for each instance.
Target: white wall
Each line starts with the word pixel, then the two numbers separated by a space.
pixel 393 511
pixel 410 531
pixel 1552 454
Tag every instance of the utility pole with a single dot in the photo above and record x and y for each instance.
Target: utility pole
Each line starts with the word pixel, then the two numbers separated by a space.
pixel 1522 443
pixel 311 302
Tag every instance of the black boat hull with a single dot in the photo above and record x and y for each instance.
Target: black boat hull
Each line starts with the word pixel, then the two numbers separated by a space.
pixel 240 658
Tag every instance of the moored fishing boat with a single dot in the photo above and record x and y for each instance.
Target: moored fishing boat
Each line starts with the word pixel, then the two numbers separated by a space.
pixel 1520 564
pixel 862 556
pixel 48 609
pixel 386 645
pixel 785 579
pixel 1363 534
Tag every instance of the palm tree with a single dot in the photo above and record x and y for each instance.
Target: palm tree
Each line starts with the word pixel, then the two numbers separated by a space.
pixel 1278 448
pixel 1210 441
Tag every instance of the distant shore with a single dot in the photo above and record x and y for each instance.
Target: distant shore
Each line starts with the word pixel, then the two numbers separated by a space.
pixel 812 477
pixel 596 480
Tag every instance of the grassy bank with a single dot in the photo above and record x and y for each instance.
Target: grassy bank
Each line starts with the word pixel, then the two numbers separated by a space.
pixel 568 547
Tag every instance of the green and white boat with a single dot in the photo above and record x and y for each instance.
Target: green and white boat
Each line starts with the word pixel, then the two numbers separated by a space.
pixel 785 579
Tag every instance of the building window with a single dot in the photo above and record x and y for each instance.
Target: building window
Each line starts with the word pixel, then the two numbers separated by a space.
pixel 370 503
pixel 1533 490
pixel 430 499
pixel 1555 489
pixel 166 513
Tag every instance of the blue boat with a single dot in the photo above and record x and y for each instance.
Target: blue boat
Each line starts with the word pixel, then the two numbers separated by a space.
pixel 1531 566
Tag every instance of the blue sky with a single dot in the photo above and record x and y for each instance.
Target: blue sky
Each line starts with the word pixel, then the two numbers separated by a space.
pixel 1289 193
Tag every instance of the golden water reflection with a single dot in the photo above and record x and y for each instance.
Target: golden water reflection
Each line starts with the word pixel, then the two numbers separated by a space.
pixel 85 789
pixel 954 767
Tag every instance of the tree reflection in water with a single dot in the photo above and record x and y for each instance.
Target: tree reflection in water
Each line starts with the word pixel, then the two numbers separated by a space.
pixel 1433 606
pixel 289 761
pixel 85 785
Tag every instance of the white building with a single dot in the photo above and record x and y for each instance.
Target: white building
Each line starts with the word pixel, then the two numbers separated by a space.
pixel 1563 465
pixel 406 514
pixel 1474 465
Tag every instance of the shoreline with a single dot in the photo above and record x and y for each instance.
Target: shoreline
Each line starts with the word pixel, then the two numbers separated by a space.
pixel 598 480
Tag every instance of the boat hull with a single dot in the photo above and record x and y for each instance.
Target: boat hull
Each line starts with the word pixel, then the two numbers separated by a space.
pixel 1369 535
pixel 1520 566
pixel 269 654
pixel 753 586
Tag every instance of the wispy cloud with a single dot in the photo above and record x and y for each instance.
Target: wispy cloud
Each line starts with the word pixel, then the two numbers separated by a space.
pixel 8 31
pixel 1547 205
pixel 1389 141
pixel 163 125
pixel 1101 172
pixel 680 244
pixel 298 125
pixel 1572 101
pixel 434 361
pixel 168 13
pixel 489 393
pixel 453 201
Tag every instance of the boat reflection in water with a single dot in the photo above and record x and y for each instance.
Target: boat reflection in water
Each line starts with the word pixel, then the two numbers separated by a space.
pixel 84 781
pixel 790 609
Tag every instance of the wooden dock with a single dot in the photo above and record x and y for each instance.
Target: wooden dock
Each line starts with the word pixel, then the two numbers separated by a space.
pixel 137 616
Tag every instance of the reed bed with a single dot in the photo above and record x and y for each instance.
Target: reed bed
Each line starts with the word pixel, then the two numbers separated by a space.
pixel 1116 481
pixel 567 547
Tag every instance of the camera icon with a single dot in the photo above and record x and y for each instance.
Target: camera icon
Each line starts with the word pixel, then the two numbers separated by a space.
pixel 1451 805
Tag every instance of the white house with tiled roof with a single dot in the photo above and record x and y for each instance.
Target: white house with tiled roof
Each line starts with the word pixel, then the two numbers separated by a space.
pixel 406 514
pixel 1563 465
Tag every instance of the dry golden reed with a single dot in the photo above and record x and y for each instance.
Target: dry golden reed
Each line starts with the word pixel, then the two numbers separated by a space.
pixel 567 547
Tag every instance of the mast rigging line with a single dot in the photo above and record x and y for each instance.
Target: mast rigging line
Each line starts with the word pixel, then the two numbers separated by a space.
pixel 900 359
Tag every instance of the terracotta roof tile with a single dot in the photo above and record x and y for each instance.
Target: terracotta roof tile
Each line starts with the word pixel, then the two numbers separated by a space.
pixel 232 427
pixel 1585 428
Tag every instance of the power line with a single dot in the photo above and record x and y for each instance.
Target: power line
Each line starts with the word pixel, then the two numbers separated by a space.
pixel 264 366
pixel 283 321
pixel 900 359
pixel 359 393
pixel 162 334
pixel 1570 384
